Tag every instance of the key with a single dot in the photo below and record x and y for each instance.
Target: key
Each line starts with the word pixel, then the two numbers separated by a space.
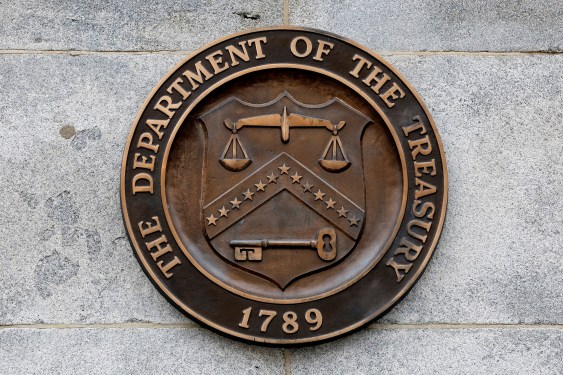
pixel 251 250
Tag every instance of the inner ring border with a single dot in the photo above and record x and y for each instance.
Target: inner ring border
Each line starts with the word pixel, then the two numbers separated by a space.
pixel 222 284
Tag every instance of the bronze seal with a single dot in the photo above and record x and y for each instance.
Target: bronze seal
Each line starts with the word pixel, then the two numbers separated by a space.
pixel 283 186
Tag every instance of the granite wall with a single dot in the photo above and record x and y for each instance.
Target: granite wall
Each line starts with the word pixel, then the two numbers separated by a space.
pixel 74 300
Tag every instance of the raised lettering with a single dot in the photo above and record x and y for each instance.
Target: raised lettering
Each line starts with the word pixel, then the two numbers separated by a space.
pixel 143 162
pixel 178 88
pixel 155 126
pixel 215 59
pixel 408 249
pixel 392 93
pixel 308 46
pixel 424 189
pixel 243 55
pixel 165 268
pixel 359 66
pixel 145 141
pixel 169 105
pixel 422 212
pixel 416 147
pixel 256 42
pixel 415 126
pixel 160 251
pixel 399 267
pixel 198 76
pixel 150 227
pixel 421 224
pixel 424 165
pixel 321 50
pixel 373 76
pixel 142 188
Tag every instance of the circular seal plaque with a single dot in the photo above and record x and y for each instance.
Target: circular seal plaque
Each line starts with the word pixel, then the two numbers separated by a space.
pixel 283 186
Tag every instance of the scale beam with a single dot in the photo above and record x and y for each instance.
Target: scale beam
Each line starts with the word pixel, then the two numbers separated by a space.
pixel 284 122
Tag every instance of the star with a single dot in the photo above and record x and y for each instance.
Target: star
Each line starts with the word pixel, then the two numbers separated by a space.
pixel 223 211
pixel 260 186
pixel 319 195
pixel 284 169
pixel 212 220
pixel 248 194
pixel 236 203
pixel 295 178
pixel 330 203
pixel 272 178
pixel 342 212
pixel 354 221
pixel 307 187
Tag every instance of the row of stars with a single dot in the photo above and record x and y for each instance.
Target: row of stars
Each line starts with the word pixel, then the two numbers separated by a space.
pixel 235 203
pixel 272 178
pixel 319 195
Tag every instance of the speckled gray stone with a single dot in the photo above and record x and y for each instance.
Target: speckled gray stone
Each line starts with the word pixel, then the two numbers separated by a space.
pixel 131 351
pixel 431 351
pixel 66 258
pixel 129 25
pixel 436 25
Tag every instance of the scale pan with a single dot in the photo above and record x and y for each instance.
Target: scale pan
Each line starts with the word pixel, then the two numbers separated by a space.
pixel 334 165
pixel 235 165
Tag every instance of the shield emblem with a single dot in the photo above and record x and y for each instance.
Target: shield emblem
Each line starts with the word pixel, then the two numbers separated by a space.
pixel 282 196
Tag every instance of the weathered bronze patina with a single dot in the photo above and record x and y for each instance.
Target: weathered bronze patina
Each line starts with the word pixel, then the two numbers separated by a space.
pixel 283 186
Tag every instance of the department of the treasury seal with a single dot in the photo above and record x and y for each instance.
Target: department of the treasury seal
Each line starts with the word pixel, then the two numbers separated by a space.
pixel 283 186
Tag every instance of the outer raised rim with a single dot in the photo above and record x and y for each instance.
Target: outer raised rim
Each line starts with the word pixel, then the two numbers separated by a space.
pixel 350 328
